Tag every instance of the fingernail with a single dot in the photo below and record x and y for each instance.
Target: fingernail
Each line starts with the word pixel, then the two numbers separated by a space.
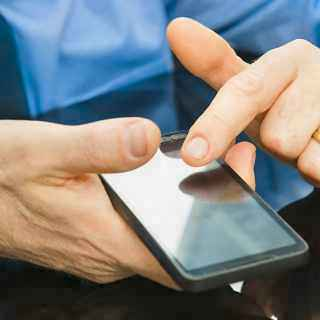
pixel 197 148
pixel 136 139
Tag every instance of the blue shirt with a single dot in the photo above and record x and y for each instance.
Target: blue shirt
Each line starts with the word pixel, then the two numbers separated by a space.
pixel 73 50
pixel 70 51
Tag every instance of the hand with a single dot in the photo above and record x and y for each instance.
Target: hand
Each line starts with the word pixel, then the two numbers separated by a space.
pixel 54 209
pixel 276 99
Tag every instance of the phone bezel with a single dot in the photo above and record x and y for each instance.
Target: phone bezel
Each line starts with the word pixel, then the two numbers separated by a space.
pixel 227 272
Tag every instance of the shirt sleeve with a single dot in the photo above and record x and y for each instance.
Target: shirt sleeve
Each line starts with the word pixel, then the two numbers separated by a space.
pixel 254 26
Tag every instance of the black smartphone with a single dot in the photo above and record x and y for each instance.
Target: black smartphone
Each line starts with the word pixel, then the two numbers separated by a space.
pixel 205 225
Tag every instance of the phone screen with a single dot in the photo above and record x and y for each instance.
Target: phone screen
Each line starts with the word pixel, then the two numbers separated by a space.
pixel 200 216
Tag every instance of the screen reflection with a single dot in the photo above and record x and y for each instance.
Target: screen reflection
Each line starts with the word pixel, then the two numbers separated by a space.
pixel 200 216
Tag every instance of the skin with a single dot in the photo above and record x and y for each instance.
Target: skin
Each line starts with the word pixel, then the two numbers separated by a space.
pixel 54 209
pixel 275 99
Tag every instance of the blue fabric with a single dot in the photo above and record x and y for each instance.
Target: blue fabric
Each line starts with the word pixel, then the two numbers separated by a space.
pixel 73 50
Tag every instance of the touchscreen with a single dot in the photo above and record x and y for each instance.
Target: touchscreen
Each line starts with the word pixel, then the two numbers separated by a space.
pixel 200 216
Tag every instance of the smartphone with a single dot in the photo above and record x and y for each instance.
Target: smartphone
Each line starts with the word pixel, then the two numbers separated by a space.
pixel 205 225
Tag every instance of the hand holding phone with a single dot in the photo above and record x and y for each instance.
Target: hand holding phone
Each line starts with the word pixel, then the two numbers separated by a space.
pixel 205 226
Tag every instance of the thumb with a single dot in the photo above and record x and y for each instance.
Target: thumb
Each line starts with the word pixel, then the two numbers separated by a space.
pixel 241 158
pixel 203 52
pixel 105 146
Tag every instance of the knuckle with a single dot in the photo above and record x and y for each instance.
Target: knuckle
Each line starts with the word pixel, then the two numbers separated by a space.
pixel 272 57
pixel 93 147
pixel 109 153
pixel 270 140
pixel 279 144
pixel 247 84
pixel 302 45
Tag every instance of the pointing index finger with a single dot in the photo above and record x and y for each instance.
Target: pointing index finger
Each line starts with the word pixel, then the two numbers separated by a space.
pixel 240 100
